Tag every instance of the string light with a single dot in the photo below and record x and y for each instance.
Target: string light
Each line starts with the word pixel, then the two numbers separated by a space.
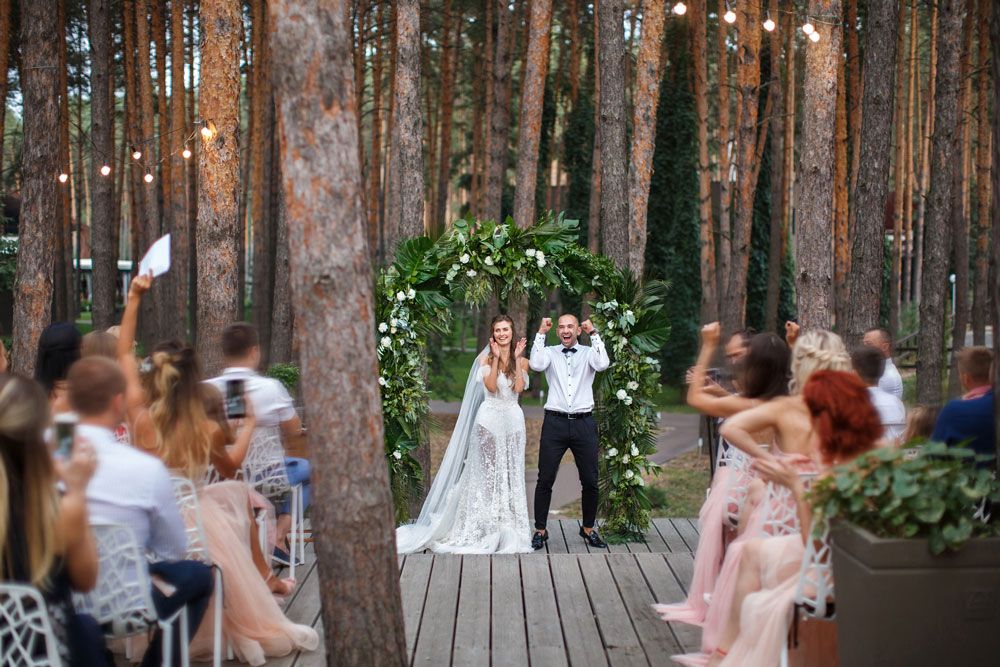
pixel 186 154
pixel 729 16
pixel 769 25
pixel 105 170
pixel 136 154
pixel 148 178
pixel 208 130
pixel 814 36
pixel 808 28
pixel 63 177
pixel 680 9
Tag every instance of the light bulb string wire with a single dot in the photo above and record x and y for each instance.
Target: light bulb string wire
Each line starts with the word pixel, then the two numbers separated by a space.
pixel 113 161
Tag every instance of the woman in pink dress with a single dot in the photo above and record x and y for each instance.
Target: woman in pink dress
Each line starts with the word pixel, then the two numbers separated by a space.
pixel 763 375
pixel 846 425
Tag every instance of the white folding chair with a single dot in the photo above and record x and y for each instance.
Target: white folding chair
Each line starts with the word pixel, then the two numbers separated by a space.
pixel 122 599
pixel 264 470
pixel 737 485
pixel 188 504
pixel 26 636
pixel 781 512
pixel 814 590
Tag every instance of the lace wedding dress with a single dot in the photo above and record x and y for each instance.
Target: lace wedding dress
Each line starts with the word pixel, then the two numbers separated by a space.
pixel 477 503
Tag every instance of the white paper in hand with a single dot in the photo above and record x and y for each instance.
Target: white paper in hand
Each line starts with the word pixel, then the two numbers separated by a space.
pixel 157 258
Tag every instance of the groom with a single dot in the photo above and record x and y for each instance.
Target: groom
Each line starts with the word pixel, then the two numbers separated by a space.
pixel 569 424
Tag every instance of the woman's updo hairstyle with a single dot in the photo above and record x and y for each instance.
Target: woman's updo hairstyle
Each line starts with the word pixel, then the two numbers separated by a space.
pixel 817 350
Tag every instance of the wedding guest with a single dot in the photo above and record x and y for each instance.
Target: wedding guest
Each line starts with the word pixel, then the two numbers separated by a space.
pixel 99 344
pixel 274 410
pixel 133 489
pixel 890 380
pixel 58 349
pixel 968 421
pixel 920 423
pixel 869 364
pixel 45 538
pixel 736 349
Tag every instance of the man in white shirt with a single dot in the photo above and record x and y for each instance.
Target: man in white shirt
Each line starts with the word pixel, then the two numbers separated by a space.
pixel 868 363
pixel 890 380
pixel 569 424
pixel 273 409
pixel 134 489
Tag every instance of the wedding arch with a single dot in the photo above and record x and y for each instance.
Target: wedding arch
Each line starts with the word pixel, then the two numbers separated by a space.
pixel 476 260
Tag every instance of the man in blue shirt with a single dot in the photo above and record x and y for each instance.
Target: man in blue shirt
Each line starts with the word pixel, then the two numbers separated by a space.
pixel 969 420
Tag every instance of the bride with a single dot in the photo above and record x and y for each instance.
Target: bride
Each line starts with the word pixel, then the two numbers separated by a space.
pixel 477 502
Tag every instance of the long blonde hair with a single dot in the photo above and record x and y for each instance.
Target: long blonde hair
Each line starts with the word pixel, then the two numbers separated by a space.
pixel 25 461
pixel 817 350
pixel 182 428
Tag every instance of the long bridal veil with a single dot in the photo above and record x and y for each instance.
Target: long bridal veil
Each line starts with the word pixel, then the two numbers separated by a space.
pixel 438 513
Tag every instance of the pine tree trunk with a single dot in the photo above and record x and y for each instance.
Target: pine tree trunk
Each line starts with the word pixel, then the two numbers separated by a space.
pixel 646 98
pixel 163 180
pixel 150 326
pixel 216 235
pixel 406 192
pixel 748 93
pixel 925 158
pixel 854 92
pixel 192 175
pixel 332 286
pixel 40 90
pixel 930 347
pixel 981 293
pixel 261 207
pixel 5 31
pixel 780 126
pixel 614 170
pixel 450 47
pixel 907 203
pixel 180 231
pixel 358 14
pixel 995 190
pixel 499 114
pixel 788 198
pixel 63 283
pixel 104 254
pixel 131 133
pixel 375 161
pixel 724 237
pixel 841 236
pixel 248 63
pixel 594 208
pixel 699 55
pixel 283 316
pixel 814 268
pixel 872 189
pixel 898 180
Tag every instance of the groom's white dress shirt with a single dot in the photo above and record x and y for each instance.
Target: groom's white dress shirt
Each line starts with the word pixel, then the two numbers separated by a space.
pixel 570 374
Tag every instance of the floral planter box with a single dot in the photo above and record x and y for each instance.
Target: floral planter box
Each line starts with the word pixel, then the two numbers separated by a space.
pixel 897 604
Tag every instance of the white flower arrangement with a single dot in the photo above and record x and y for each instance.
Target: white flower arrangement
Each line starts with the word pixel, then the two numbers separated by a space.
pixel 464 259
pixel 621 394
pixel 488 261
pixel 530 252
pixel 613 452
pixel 397 455
pixel 400 296
pixel 628 400
pixel 382 381
pixel 383 327
pixel 629 474
pixel 385 342
pixel 541 261
pixel 625 458
pixel 635 451
pixel 633 385
pixel 471 273
pixel 411 294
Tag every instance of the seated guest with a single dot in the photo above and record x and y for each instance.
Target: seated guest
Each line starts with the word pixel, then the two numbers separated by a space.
pixel 99 344
pixel 45 538
pixel 968 421
pixel 273 409
pixel 133 489
pixel 869 364
pixel 58 349
pixel 920 424
pixel 890 381
pixel 736 349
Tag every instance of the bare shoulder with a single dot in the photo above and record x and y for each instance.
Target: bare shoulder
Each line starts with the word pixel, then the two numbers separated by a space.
pixel 522 364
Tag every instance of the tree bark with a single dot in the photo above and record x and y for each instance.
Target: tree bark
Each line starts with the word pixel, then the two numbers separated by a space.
pixel 332 286
pixel 62 283
pixel 724 238
pixel 872 189
pixel 499 114
pixel 406 192
pixel 776 240
pixel 180 231
pixel 216 236
pixel 748 93
pixel 529 126
pixel 841 236
pixel 646 98
pixel 930 346
pixel 163 180
pixel 699 54
pixel 614 170
pixel 40 90
pixel 283 316
pixel 375 161
pixel 907 203
pixel 854 92
pixel 261 207
pixel 450 47
pixel 995 191
pixel 5 31
pixel 192 182
pixel 150 227
pixel 594 205
pixel 814 268
pixel 898 181
pixel 788 191
pixel 103 252
pixel 925 158
pixel 981 292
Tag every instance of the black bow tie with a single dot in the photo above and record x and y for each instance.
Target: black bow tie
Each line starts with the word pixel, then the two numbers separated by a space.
pixel 567 350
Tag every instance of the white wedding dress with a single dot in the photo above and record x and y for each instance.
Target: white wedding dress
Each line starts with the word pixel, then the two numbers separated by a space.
pixel 477 503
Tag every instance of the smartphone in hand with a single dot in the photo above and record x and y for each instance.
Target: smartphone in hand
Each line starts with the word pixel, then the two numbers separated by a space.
pixel 236 407
pixel 714 375
pixel 65 431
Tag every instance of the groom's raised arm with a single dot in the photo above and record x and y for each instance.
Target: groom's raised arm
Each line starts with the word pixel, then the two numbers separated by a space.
pixel 539 359
pixel 599 361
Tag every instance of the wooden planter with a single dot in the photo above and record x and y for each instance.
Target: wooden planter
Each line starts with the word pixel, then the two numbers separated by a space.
pixel 897 604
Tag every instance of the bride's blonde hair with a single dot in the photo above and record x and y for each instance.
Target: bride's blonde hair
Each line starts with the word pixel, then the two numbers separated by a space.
pixel 817 350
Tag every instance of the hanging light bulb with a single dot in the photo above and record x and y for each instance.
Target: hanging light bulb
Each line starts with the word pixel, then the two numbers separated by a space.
pixel 680 9
pixel 186 154
pixel 63 178
pixel 729 16
pixel 808 28
pixel 814 36
pixel 148 178
pixel 208 130
pixel 136 154
pixel 105 170
pixel 769 25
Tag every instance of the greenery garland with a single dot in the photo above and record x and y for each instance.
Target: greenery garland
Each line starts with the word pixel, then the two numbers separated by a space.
pixel 475 260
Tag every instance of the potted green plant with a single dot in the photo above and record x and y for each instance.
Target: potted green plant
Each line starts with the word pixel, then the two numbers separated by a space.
pixel 916 570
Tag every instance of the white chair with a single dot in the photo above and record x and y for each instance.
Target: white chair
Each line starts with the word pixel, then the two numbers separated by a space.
pixel 122 599
pixel 781 512
pixel 26 637
pixel 738 483
pixel 190 508
pixel 264 470
pixel 814 591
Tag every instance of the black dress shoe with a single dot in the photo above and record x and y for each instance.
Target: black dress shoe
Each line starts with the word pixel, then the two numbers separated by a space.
pixel 539 539
pixel 592 538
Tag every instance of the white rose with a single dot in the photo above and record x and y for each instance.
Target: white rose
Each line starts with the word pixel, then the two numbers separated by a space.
pixel 530 252
pixel 612 452
pixel 621 394
pixel 397 455
pixel 639 481
pixel 633 385
pixel 471 273
pixel 382 381
pixel 628 400
pixel 629 474
pixel 488 261
pixel 625 458
pixel 412 294
pixel 541 262
pixel 386 341
pixel 635 451
pixel 393 322
pixel 383 327
pixel 464 259
pixel 540 255
pixel 400 296
pixel 393 330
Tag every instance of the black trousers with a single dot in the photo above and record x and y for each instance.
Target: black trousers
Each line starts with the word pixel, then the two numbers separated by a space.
pixel 558 435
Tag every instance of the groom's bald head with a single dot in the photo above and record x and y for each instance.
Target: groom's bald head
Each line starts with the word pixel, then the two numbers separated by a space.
pixel 568 329
pixel 569 317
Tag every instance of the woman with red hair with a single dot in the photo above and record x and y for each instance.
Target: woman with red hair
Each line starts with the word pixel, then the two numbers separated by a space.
pixel 845 425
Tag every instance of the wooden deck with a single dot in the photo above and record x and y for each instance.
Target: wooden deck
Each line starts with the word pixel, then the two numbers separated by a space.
pixel 568 605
